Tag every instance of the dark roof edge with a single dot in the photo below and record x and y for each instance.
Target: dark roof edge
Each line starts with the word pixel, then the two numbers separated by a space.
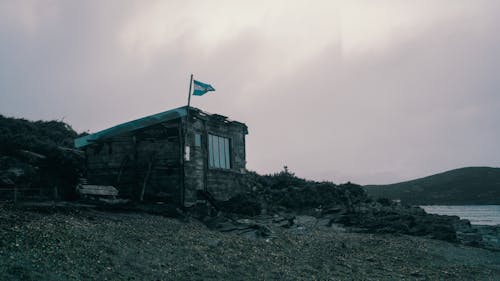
pixel 132 125
pixel 200 112
pixel 142 123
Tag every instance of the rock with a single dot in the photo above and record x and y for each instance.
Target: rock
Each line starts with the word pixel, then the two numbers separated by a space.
pixel 470 239
pixel 324 222
pixel 333 210
pixel 282 222
pixel 246 221
pixel 244 204
pixel 401 220
pixel 255 232
pixel 212 242
pixel 305 221
pixel 490 236
pixel 299 230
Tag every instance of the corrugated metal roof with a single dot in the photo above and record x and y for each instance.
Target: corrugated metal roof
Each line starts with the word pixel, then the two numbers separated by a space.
pixel 132 125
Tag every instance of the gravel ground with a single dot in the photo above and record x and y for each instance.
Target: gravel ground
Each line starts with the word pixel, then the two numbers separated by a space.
pixel 95 245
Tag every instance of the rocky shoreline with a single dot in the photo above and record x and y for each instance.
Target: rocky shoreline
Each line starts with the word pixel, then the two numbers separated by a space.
pixel 286 229
pixel 290 201
pixel 67 242
pixel 373 218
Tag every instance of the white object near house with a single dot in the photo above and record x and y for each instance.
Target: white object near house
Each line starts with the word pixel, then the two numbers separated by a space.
pixel 97 190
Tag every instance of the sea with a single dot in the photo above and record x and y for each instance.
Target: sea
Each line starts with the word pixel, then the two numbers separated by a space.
pixel 476 214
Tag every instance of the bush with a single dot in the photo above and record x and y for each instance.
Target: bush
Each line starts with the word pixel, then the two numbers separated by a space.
pixel 58 165
pixel 282 179
pixel 245 204
pixel 384 201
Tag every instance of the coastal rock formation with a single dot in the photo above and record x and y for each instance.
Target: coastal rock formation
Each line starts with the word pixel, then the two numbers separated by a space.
pixel 292 203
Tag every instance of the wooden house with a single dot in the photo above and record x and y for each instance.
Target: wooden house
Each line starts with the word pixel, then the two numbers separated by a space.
pixel 169 157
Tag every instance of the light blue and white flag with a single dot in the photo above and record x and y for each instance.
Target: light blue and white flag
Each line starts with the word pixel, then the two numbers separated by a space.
pixel 201 88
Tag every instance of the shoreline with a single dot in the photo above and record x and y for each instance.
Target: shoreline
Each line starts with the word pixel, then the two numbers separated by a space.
pixel 86 244
pixel 488 215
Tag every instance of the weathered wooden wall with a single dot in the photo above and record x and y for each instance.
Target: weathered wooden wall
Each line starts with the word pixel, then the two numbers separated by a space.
pixel 152 158
pixel 149 156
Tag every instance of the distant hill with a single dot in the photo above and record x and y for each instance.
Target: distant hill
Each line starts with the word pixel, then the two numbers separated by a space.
pixel 465 186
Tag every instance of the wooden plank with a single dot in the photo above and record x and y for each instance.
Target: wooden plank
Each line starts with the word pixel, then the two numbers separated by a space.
pixel 97 190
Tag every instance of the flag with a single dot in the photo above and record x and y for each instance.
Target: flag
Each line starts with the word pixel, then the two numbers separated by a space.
pixel 201 88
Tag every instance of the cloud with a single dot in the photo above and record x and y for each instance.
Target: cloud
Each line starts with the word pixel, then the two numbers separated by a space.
pixel 343 90
pixel 423 106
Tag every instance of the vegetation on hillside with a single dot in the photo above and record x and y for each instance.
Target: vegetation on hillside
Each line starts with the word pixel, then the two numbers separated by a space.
pixel 465 186
pixel 39 154
pixel 285 189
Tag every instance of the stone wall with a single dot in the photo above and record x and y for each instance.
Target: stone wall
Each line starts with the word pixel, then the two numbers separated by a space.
pixel 221 183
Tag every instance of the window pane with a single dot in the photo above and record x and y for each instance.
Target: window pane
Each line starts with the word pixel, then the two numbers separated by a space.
pixel 219 152
pixel 210 152
pixel 222 157
pixel 197 140
pixel 226 146
pixel 216 151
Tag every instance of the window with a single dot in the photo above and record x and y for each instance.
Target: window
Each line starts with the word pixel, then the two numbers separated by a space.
pixel 197 140
pixel 218 152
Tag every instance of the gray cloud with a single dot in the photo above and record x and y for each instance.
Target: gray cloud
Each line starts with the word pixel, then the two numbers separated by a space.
pixel 424 102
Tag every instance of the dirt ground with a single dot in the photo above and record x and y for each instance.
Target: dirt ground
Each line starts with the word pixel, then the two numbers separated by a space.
pixel 96 245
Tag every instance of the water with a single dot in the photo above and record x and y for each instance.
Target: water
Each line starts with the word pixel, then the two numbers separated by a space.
pixel 476 214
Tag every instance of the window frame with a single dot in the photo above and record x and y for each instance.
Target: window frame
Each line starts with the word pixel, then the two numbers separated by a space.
pixel 219 152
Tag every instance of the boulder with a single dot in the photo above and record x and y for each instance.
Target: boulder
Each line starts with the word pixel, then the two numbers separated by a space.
pixel 305 221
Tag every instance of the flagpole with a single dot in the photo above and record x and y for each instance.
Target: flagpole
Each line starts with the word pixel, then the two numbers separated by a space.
pixel 187 113
pixel 183 157
pixel 189 93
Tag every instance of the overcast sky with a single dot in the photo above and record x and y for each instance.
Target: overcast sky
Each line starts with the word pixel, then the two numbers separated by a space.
pixel 362 91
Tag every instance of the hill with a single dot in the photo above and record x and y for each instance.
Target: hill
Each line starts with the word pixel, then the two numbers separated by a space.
pixel 38 155
pixel 465 186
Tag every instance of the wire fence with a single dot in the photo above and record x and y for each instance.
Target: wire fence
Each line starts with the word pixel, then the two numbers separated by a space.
pixel 16 194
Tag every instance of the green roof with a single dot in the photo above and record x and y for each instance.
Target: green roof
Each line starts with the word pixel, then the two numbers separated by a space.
pixel 132 125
